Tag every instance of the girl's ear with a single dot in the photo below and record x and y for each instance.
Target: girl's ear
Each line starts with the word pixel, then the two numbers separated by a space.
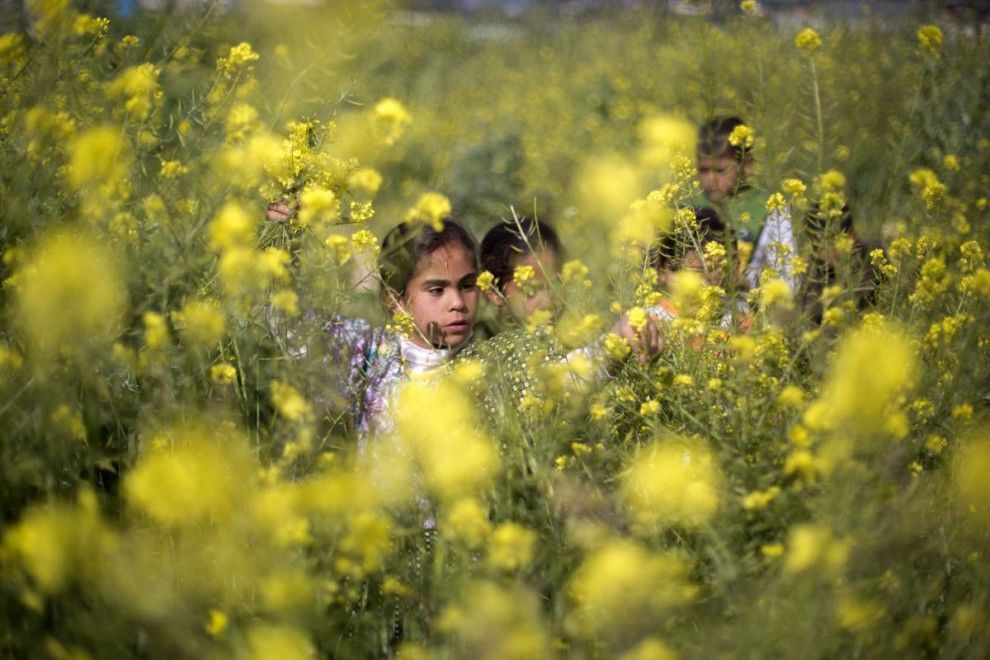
pixel 494 298
pixel 748 166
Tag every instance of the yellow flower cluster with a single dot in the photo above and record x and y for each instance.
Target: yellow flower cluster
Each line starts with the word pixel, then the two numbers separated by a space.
pixel 808 40
pixel 137 88
pixel 69 296
pixel 432 208
pixel 390 120
pixel 238 60
pixel 673 482
pixel 930 39
pixel 742 137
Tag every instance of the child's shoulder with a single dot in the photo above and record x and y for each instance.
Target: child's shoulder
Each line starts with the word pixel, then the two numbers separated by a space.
pixel 357 333
pixel 510 344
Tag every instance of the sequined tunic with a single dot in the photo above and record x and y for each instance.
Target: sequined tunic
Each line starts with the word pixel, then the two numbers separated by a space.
pixel 378 362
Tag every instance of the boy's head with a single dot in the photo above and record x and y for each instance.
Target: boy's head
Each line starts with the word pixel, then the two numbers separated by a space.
pixel 509 245
pixel 722 166
pixel 687 250
pixel 432 276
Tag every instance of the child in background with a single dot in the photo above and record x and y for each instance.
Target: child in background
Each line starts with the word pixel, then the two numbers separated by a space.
pixel 725 165
pixel 528 243
pixel 429 279
pixel 686 251
pixel 512 376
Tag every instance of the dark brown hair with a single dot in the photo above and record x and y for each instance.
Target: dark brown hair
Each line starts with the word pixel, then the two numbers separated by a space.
pixel 408 243
pixel 713 139
pixel 506 242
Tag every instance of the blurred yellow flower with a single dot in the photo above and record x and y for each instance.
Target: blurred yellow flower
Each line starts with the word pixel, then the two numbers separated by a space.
pixel 775 294
pixel 366 179
pixel 431 208
pixel 285 301
pixel 70 295
pixel 637 318
pixel 791 397
pixel 238 60
pixel 242 121
pixel 832 181
pixel 672 482
pixel 486 281
pixel 810 545
pixel 53 543
pixel 391 119
pixel 203 477
pixel 285 642
pixel 871 368
pixel 155 330
pixel 491 622
pixel 467 522
pixel 510 547
pixel 339 247
pixel 575 271
pixel 651 648
pixel 742 137
pixel 233 226
pixel 290 404
pixel 760 498
pixel 664 137
pixel 137 88
pixel 217 623
pixel 200 322
pixel 605 185
pixel 649 408
pixel 808 40
pixel 11 47
pixel 98 158
pixel 930 39
pixel 223 373
pixel 971 465
pixel 621 586
pixel 318 206
pixel 451 450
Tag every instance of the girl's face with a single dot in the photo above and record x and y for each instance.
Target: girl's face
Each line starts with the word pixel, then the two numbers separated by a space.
pixel 524 300
pixel 721 177
pixel 442 298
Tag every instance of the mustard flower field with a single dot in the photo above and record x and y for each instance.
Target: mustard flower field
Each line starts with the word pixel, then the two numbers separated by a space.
pixel 181 473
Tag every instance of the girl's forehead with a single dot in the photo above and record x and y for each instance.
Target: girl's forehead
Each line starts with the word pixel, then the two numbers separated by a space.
pixel 449 258
pixel 547 257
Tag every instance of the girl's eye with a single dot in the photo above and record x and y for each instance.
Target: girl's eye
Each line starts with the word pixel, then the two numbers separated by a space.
pixel 469 286
pixel 435 291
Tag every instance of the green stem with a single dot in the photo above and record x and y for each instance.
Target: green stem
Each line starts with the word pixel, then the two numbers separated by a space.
pixel 818 115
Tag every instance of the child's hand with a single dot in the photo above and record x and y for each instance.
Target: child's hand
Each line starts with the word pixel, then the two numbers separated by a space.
pixel 646 342
pixel 278 212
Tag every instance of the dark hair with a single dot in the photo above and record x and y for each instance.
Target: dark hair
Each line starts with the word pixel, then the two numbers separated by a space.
pixel 406 244
pixel 505 242
pixel 713 139
pixel 817 221
pixel 670 249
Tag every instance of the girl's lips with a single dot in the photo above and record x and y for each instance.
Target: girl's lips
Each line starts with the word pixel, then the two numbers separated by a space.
pixel 456 326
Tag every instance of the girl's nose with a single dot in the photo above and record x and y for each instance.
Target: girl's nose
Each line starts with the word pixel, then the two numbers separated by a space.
pixel 457 302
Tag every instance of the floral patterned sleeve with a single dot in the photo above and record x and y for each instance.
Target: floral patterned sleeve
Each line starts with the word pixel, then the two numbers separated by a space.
pixel 352 344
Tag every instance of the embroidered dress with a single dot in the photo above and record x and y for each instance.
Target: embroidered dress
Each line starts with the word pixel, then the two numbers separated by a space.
pixel 378 362
pixel 517 363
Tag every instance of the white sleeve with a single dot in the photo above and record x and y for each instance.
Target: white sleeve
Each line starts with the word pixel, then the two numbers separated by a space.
pixel 774 250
